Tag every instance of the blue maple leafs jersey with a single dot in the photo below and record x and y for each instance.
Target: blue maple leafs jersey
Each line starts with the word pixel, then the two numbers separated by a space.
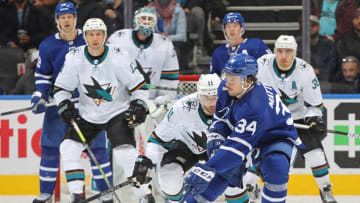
pixel 251 46
pixel 258 118
pixel 52 51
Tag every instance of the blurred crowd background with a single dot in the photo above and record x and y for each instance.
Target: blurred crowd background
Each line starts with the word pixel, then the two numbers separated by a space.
pixel 195 28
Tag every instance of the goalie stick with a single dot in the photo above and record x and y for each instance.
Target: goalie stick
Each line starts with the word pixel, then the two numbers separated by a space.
pixel 29 108
pixel 92 156
pixel 302 126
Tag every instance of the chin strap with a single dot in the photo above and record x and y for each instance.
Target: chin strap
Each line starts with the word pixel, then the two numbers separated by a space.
pixel 245 89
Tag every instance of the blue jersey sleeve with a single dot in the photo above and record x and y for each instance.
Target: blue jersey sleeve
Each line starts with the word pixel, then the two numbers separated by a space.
pixel 262 49
pixel 44 70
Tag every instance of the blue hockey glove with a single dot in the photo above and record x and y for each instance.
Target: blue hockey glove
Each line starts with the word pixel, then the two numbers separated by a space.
pixel 136 113
pixel 317 125
pixel 198 179
pixel 38 103
pixel 214 142
pixel 67 111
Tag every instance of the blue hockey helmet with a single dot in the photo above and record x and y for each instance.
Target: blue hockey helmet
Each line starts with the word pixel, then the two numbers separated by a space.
pixel 234 17
pixel 145 21
pixel 242 65
pixel 65 7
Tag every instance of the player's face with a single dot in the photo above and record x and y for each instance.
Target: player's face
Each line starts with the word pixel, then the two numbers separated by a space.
pixel 356 23
pixel 284 58
pixel 232 30
pixel 233 84
pixel 349 70
pixel 66 22
pixel 208 103
pixel 95 38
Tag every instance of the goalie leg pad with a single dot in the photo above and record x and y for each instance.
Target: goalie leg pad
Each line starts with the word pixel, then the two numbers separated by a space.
pixel 49 166
pixel 171 180
pixel 275 170
pixel 180 154
pixel 70 151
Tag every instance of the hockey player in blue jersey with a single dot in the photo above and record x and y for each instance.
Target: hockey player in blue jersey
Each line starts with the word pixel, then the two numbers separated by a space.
pixel 233 28
pixel 52 53
pixel 251 126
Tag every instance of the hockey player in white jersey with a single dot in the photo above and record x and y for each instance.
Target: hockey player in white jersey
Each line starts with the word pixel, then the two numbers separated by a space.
pixel 296 83
pixel 111 99
pixel 155 54
pixel 179 141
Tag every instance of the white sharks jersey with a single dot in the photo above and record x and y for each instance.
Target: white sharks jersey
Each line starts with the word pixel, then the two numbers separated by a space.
pixel 157 59
pixel 299 88
pixel 106 86
pixel 186 122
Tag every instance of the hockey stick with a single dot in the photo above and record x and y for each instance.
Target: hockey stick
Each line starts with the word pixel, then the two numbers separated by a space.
pixel 111 190
pixel 92 156
pixel 166 88
pixel 29 108
pixel 302 126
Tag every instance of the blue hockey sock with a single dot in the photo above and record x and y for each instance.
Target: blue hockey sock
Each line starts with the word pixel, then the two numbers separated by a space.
pixel 102 158
pixel 49 166
pixel 275 170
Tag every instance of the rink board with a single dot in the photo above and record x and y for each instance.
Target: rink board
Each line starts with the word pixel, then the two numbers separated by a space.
pixel 20 149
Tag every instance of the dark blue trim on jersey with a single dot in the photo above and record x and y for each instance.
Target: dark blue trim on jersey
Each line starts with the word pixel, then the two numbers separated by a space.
pixel 15 97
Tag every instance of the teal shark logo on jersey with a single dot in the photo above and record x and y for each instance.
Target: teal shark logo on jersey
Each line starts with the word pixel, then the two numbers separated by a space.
pixel 199 139
pixel 97 93
pixel 287 99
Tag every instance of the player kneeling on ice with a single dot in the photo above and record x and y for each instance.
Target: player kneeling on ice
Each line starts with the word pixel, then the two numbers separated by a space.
pixel 179 141
pixel 111 99
pixel 251 126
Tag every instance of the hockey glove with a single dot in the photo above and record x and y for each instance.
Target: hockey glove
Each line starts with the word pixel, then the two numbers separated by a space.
pixel 142 169
pixel 67 111
pixel 198 179
pixel 136 114
pixel 214 142
pixel 38 103
pixel 317 125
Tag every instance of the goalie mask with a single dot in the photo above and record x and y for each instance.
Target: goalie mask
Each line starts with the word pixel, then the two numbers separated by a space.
pixel 94 24
pixel 207 89
pixel 145 21
pixel 64 8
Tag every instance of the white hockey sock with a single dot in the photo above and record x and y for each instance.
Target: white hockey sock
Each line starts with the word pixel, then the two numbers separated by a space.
pixel 320 169
pixel 125 156
pixel 171 180
pixel 70 151
pixel 250 178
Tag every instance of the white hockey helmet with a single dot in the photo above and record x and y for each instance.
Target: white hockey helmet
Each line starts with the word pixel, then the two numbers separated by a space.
pixel 94 24
pixel 286 42
pixel 208 84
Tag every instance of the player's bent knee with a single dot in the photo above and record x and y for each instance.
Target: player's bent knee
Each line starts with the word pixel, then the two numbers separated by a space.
pixel 171 180
pixel 275 168
pixel 70 150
